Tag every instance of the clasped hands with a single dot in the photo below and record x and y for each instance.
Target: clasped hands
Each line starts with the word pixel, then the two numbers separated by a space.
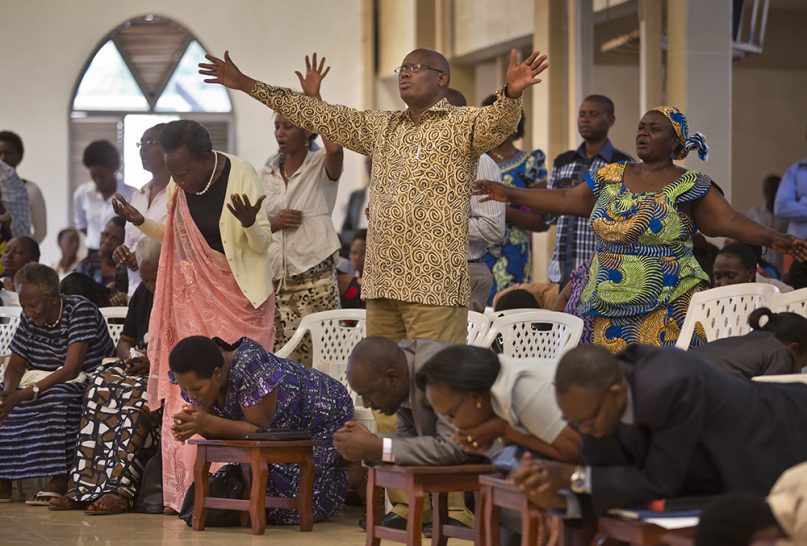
pixel 189 421
pixel 540 481
pixel 355 442
pixel 480 438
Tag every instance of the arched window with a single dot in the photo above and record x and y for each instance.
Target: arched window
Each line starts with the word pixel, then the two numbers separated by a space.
pixel 143 73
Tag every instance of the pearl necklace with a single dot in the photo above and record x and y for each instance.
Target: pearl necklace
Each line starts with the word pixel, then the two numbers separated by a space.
pixel 59 319
pixel 212 173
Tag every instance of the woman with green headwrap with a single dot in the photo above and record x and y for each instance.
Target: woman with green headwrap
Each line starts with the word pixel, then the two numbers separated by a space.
pixel 644 216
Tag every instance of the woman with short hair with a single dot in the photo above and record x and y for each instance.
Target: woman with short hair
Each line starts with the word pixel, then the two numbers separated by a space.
pixel 59 341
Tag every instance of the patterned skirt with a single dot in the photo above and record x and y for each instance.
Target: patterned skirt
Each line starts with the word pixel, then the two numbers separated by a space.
pixel 38 437
pixel 117 437
pixel 660 328
pixel 309 292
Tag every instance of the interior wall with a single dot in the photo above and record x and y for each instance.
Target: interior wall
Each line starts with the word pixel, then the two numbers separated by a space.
pixel 478 26
pixel 267 38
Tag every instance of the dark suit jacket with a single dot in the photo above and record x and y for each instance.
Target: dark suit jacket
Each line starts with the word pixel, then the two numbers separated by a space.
pixel 354 213
pixel 696 430
pixel 756 353
pixel 421 438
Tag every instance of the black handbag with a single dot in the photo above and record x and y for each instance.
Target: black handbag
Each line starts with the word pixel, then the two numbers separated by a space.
pixel 225 483
pixel 149 498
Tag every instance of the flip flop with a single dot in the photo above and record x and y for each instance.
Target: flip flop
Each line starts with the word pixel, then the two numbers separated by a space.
pixel 43 498
pixel 68 504
pixel 107 512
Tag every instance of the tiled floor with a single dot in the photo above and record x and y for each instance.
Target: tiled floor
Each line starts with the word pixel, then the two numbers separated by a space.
pixel 38 526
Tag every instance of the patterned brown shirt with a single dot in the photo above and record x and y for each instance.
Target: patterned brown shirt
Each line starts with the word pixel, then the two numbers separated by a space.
pixel 422 176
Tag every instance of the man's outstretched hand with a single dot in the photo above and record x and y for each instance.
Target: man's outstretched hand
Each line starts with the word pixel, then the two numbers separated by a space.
pixel 226 73
pixel 524 74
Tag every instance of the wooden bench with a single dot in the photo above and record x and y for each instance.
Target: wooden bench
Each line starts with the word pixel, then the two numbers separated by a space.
pixel 258 454
pixel 498 493
pixel 417 482
pixel 636 533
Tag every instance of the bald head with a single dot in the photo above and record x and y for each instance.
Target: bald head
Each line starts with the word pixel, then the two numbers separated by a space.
pixel 378 372
pixel 589 367
pixel 432 58
pixel 455 97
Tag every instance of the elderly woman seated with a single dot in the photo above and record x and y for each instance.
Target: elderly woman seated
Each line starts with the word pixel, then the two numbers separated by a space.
pixel 237 389
pixel 59 340
pixel 118 433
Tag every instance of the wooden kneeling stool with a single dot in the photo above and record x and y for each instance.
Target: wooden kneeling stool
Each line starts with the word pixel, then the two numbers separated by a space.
pixel 259 454
pixel 498 493
pixel 418 481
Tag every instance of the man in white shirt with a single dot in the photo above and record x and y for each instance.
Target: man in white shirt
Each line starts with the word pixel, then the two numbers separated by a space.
pixel 486 225
pixel 11 152
pixel 92 201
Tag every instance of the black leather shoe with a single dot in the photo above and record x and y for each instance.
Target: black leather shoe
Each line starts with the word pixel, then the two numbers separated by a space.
pixel 427 527
pixel 391 520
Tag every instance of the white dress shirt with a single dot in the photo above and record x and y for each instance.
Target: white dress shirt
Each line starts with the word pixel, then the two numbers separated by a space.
pixel 156 211
pixel 294 251
pixel 486 226
pixel 91 211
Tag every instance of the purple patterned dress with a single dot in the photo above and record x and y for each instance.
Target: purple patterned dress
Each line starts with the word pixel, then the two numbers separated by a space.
pixel 306 400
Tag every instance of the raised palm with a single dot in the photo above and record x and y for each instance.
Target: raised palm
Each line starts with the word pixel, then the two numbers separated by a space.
pixel 223 72
pixel 314 74
pixel 524 74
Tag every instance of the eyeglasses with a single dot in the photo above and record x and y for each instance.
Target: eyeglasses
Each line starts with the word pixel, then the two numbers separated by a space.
pixel 144 143
pixel 414 68
pixel 588 422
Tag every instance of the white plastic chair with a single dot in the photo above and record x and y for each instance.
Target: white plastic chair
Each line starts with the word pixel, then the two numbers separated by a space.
pixel 334 334
pixel 535 334
pixel 9 320
pixel 793 302
pixel 723 312
pixel 114 317
pixel 478 325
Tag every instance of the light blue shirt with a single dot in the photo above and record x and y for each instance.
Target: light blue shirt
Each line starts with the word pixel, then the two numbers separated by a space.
pixel 791 199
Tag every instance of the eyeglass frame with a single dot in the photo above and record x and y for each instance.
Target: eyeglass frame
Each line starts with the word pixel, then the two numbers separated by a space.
pixel 589 421
pixel 404 68
pixel 150 142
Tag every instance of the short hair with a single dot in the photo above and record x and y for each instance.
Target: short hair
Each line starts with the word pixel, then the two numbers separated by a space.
pixel 197 354
pixel 786 327
pixel 360 235
pixel 188 134
pixel 41 275
pixel 118 221
pixel 31 246
pixel 796 276
pixel 516 299
pixel 64 232
pixel 588 367
pixel 79 284
pixel 376 353
pixel 519 134
pixel 464 368
pixel 733 519
pixel 455 97
pixel 605 102
pixel 13 139
pixel 749 258
pixel 101 153
pixel 147 250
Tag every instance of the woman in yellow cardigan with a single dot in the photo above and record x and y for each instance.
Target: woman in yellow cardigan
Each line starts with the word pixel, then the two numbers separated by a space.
pixel 214 277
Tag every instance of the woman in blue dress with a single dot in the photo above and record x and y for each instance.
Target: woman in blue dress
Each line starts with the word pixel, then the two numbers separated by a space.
pixel 234 390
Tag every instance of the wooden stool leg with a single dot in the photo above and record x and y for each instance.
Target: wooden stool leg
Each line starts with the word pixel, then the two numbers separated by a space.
pixel 257 496
pixel 201 488
pixel 439 518
pixel 414 521
pixel 492 516
pixel 479 521
pixel 530 526
pixel 305 493
pixel 246 476
pixel 375 506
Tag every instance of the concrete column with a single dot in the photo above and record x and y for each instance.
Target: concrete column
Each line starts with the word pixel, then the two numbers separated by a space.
pixel 580 39
pixel 651 70
pixel 699 73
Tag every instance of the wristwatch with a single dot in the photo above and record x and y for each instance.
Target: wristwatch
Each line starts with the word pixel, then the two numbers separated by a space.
pixel 35 388
pixel 579 480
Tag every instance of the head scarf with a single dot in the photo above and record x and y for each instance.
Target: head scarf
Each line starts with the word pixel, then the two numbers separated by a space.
pixel 687 142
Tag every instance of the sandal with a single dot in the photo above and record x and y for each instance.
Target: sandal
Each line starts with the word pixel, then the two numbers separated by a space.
pixel 43 498
pixel 106 507
pixel 65 503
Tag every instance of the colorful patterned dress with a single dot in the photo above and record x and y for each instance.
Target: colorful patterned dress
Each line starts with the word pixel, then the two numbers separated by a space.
pixel 511 262
pixel 307 399
pixel 644 272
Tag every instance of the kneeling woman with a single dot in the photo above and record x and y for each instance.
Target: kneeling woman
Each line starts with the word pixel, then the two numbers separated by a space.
pixel 236 389
pixel 58 341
